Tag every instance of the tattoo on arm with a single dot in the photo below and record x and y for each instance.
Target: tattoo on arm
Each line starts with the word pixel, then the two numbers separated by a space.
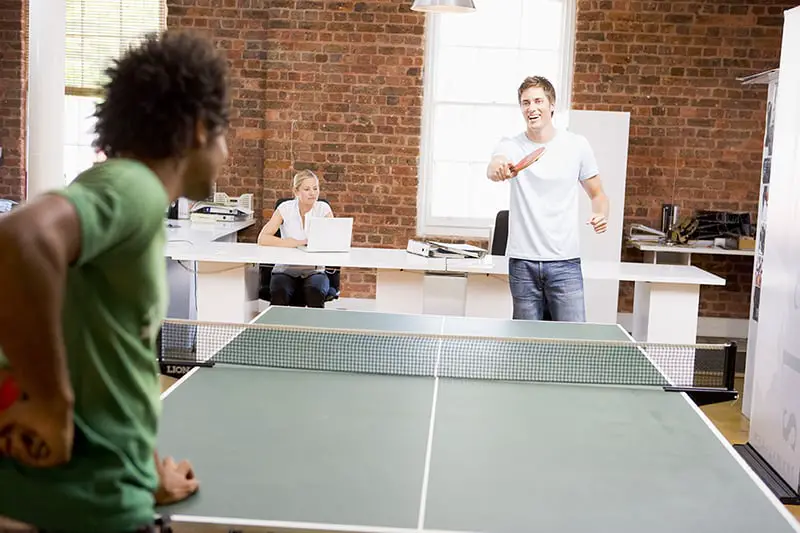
pixel 21 442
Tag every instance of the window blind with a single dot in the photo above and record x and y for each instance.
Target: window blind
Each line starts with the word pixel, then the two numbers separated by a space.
pixel 98 31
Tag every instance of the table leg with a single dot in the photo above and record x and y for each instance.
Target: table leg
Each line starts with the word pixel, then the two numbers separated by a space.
pixel 399 291
pixel 488 296
pixel 226 292
pixel 665 312
pixel 182 283
pixel 444 293
pixel 420 292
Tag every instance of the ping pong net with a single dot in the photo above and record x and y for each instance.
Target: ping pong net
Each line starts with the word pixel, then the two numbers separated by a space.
pixel 705 371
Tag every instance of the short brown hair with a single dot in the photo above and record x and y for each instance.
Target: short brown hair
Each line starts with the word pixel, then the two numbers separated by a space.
pixel 537 81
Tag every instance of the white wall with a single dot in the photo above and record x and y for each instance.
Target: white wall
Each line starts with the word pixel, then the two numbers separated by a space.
pixel 608 133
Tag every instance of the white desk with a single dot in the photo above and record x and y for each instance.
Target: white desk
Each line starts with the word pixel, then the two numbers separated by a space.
pixel 666 297
pixel 680 254
pixel 181 275
pixel 190 232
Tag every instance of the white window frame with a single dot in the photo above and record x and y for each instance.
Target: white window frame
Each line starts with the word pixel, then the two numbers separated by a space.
pixel 88 90
pixel 78 137
pixel 473 227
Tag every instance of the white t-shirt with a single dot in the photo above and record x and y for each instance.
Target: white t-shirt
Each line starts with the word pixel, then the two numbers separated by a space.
pixel 543 215
pixel 294 227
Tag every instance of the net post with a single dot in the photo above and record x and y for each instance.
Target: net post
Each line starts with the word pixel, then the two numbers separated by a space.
pixel 729 377
pixel 160 345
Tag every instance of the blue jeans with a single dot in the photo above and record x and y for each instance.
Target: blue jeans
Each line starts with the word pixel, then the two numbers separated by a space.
pixel 284 288
pixel 554 286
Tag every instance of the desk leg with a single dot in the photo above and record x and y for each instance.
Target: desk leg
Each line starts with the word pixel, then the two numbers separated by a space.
pixel 419 292
pixel 182 284
pixel 488 296
pixel 399 291
pixel 227 292
pixel 444 293
pixel 665 312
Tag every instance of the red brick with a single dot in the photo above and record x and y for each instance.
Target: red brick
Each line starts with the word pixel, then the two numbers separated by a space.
pixel 337 87
pixel 13 88
pixel 695 107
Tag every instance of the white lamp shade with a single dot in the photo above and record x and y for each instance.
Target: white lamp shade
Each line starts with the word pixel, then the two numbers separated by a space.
pixel 443 6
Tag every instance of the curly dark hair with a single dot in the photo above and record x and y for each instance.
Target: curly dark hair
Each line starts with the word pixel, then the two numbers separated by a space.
pixel 157 91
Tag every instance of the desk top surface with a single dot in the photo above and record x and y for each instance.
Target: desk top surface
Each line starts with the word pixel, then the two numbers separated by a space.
pixel 648 246
pixel 399 259
pixel 189 232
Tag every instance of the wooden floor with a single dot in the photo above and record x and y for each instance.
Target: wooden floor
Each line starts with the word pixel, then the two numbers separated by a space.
pixel 727 417
pixel 734 426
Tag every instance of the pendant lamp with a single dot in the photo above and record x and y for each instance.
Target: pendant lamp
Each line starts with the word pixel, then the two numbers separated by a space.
pixel 444 6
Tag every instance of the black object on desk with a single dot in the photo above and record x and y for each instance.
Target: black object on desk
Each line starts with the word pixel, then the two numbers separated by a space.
pixel 172 212
pixel 669 217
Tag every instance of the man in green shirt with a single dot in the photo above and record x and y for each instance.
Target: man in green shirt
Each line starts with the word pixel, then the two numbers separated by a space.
pixel 83 293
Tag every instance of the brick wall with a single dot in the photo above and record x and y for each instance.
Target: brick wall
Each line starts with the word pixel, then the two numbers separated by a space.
pixel 335 87
pixel 242 34
pixel 673 66
pixel 13 87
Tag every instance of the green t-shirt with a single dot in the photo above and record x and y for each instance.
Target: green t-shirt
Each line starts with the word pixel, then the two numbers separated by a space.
pixel 114 303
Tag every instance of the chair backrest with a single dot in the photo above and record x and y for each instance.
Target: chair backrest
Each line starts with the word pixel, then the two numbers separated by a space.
pixel 500 233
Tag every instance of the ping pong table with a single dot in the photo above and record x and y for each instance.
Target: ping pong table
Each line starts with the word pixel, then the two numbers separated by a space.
pixel 348 421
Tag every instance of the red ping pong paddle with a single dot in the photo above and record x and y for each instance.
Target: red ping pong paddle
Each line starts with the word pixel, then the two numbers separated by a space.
pixel 9 391
pixel 527 161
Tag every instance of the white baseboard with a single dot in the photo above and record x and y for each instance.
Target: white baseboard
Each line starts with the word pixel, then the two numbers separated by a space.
pixel 734 328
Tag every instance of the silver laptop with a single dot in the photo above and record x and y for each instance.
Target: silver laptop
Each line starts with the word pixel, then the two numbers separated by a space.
pixel 328 234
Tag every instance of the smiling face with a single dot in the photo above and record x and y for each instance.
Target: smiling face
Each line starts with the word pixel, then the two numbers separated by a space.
pixel 537 109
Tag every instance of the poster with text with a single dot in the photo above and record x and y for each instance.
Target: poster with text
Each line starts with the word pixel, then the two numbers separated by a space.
pixel 775 412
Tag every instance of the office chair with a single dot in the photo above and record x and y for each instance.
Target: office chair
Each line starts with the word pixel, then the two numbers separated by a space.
pixel 298 298
pixel 500 234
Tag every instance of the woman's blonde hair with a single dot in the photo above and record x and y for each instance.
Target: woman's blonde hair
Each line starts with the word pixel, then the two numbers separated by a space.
pixel 301 176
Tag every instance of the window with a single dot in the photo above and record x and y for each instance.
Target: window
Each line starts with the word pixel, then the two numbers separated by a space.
pixel 97 31
pixel 473 66
pixel 79 154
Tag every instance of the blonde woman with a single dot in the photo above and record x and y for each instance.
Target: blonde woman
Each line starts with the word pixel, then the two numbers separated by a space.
pixel 290 218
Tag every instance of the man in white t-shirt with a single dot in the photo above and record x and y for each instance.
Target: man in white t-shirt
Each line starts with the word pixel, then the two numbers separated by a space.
pixel 543 248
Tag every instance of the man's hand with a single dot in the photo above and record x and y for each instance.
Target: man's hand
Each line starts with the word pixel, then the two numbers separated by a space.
pixel 594 189
pixel 36 431
pixel 176 482
pixel 500 169
pixel 599 223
